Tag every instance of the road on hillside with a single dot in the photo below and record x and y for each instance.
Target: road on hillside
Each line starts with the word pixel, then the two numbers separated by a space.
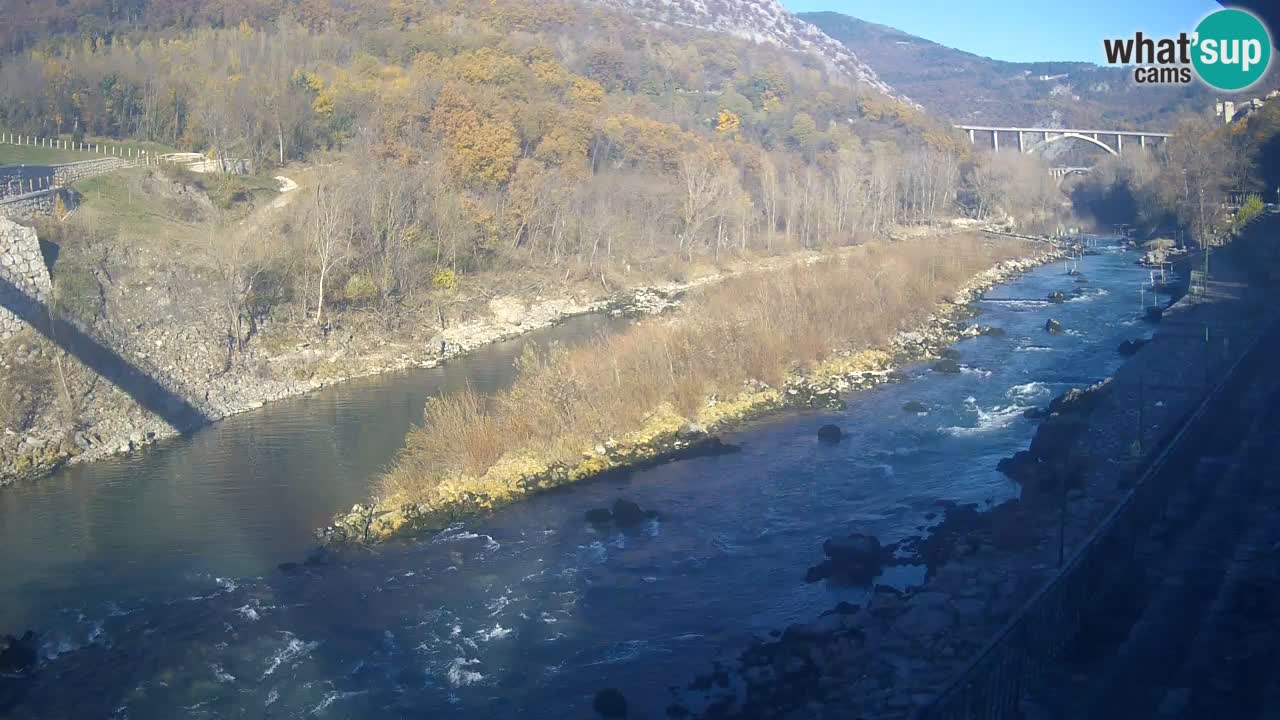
pixel 15 179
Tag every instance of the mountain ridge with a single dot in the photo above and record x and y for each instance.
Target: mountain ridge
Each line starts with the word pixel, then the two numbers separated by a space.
pixel 968 88
pixel 764 22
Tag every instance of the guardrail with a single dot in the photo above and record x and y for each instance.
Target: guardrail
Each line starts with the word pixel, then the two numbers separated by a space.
pixel 97 148
pixel 992 685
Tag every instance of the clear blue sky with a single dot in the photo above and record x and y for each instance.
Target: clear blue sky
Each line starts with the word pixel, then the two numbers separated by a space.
pixel 1027 30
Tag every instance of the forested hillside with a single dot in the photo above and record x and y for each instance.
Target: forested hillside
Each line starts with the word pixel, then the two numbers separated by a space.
pixel 480 133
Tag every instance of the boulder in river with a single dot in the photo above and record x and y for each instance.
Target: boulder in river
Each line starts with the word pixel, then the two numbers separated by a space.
pixel 830 433
pixel 626 512
pixel 1154 314
pixel 1053 327
pixel 992 331
pixel 914 406
pixel 610 703
pixel 950 354
pixel 1057 297
pixel 17 654
pixel 853 560
pixel 1035 413
pixel 946 365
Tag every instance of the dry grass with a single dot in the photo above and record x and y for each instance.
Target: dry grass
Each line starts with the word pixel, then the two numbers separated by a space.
pixel 760 327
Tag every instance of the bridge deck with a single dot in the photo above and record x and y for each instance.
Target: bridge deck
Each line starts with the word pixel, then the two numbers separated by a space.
pixel 1126 133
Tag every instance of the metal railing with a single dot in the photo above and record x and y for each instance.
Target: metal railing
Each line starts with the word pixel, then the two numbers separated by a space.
pixel 992 685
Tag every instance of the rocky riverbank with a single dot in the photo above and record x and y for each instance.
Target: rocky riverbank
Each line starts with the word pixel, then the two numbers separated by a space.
pixel 667 434
pixel 891 657
pixel 282 363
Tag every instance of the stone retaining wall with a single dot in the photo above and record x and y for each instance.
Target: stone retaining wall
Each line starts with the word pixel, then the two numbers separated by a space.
pixel 41 202
pixel 21 265
pixel 72 172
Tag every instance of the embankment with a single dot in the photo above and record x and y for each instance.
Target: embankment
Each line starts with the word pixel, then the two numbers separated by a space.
pixel 174 348
pixel 800 337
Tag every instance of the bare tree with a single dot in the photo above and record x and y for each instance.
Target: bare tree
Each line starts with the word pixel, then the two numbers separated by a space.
pixel 331 230
pixel 707 184
pixel 238 259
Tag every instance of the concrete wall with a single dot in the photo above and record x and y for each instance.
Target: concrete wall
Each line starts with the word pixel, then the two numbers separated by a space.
pixel 21 265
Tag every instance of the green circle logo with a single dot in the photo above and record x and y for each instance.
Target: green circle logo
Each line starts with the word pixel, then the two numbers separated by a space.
pixel 1232 49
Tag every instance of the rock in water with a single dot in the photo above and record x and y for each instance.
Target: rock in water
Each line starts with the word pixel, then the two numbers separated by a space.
pixel 914 406
pixel 991 331
pixel 598 516
pixel 1154 314
pixel 1057 297
pixel 950 354
pixel 626 512
pixel 946 365
pixel 854 560
pixel 17 655
pixel 830 433
pixel 1053 327
pixel 610 703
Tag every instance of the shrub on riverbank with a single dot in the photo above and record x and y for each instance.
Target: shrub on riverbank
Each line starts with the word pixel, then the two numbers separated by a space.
pixel 744 336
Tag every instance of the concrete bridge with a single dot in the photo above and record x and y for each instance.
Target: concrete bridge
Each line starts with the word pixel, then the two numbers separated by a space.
pixel 1031 139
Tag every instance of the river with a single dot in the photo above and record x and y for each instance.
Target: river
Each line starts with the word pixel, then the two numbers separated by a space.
pixel 153 580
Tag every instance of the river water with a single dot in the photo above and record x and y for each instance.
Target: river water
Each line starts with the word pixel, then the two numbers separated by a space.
pixel 153 580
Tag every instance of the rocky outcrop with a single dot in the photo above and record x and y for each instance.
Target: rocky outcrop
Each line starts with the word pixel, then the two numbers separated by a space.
pixel 508 310
pixel 1046 466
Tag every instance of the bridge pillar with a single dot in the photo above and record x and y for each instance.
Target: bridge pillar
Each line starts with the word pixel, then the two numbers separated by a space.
pixel 1142 141
pixel 1119 144
pixel 1020 141
pixel 970 136
pixel 995 140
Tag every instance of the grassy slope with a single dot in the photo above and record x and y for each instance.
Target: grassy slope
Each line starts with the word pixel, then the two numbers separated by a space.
pixel 32 155
pixel 35 155
pixel 117 204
